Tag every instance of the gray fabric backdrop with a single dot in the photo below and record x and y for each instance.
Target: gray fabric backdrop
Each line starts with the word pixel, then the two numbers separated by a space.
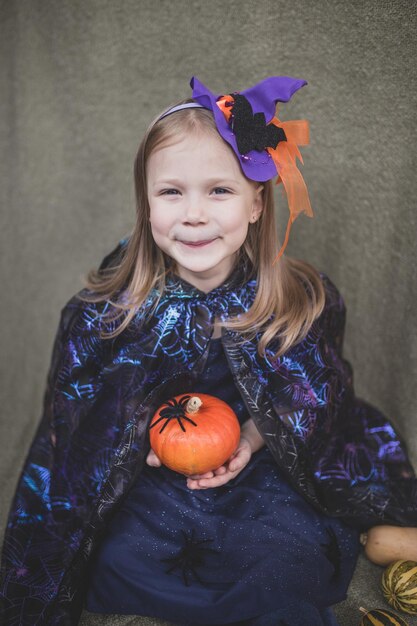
pixel 81 79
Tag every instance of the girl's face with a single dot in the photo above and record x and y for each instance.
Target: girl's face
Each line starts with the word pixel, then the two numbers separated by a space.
pixel 200 207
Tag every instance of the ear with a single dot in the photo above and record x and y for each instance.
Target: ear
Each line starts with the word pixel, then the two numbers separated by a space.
pixel 258 204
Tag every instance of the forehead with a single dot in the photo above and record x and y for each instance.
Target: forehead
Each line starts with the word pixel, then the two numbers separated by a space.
pixel 201 153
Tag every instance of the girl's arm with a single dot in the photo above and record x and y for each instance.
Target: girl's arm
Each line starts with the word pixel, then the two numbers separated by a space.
pixel 252 434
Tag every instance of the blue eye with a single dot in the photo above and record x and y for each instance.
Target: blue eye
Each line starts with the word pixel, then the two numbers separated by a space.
pixel 220 191
pixel 169 192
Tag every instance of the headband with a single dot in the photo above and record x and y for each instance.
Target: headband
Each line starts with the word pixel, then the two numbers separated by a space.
pixel 264 146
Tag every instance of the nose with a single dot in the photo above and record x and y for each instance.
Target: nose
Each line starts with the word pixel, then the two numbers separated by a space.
pixel 195 210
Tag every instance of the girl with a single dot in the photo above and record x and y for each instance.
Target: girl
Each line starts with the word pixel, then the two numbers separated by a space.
pixel 193 301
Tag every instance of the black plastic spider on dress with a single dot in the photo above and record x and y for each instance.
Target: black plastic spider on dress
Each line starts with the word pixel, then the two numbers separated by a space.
pixel 174 410
pixel 189 557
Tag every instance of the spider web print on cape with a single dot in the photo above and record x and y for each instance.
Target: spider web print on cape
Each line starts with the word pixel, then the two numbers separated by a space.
pixel 340 453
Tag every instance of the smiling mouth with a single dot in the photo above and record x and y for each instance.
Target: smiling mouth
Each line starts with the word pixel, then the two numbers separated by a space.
pixel 198 244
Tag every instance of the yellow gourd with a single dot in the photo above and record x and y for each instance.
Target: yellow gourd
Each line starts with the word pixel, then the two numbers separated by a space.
pixel 381 617
pixel 399 585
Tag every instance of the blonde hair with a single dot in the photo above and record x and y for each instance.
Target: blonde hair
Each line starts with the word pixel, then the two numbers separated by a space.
pixel 290 294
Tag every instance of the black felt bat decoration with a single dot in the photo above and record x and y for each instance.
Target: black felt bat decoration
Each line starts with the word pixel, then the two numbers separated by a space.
pixel 251 130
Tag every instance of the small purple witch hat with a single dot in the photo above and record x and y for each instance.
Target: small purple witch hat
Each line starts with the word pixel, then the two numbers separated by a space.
pixel 249 131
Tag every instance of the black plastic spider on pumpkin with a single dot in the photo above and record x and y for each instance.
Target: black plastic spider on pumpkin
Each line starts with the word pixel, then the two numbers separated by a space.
pixel 189 557
pixel 174 410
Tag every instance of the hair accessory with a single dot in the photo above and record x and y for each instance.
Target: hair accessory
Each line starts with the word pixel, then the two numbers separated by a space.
pixel 181 107
pixel 263 144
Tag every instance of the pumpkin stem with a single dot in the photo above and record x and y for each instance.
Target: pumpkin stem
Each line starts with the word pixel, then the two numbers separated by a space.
pixel 363 538
pixel 363 610
pixel 193 405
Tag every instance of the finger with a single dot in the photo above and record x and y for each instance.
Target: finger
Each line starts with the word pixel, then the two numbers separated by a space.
pixel 194 484
pixel 153 460
pixel 239 461
pixel 198 476
pixel 243 447
pixel 209 483
pixel 217 472
pixel 242 458
pixel 235 465
pixel 217 481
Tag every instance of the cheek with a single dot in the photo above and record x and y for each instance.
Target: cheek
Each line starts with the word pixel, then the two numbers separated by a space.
pixel 235 222
pixel 236 215
pixel 159 219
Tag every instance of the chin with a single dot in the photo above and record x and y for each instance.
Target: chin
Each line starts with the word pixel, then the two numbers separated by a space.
pixel 201 266
pixel 198 269
pixel 197 264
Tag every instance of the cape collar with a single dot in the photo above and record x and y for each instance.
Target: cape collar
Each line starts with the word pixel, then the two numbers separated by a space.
pixel 175 286
pixel 235 295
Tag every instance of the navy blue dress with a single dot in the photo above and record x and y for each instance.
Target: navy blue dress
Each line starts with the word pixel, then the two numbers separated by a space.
pixel 253 547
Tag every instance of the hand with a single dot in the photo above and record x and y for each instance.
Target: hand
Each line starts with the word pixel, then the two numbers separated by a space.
pixel 152 459
pixel 220 476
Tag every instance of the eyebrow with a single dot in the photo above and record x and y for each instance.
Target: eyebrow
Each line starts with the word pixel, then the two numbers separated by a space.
pixel 210 181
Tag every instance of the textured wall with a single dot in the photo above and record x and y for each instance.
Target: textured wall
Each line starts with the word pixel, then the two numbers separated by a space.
pixel 79 82
pixel 81 79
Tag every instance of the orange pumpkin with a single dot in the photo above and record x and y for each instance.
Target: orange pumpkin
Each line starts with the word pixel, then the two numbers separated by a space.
pixel 194 434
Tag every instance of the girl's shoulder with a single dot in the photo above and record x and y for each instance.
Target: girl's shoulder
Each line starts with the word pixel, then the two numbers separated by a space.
pixel 80 325
pixel 332 321
pixel 81 314
pixel 334 299
pixel 115 256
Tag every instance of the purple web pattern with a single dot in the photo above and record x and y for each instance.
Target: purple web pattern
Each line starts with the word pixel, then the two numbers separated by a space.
pixel 341 453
